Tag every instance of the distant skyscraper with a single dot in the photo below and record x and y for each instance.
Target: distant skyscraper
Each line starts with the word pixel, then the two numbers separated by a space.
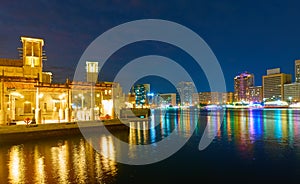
pixel 91 71
pixel 273 84
pixel 297 71
pixel 242 82
pixel 185 92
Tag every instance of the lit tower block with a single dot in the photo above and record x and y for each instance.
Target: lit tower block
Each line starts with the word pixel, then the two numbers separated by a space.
pixel 92 76
pixel 91 71
pixel 33 56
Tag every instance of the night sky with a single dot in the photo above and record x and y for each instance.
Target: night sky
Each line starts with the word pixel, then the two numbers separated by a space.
pixel 245 36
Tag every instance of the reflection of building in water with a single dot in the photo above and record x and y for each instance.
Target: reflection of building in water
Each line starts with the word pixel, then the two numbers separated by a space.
pixel 28 91
pixel 109 155
pixel 229 119
pixel 80 161
pixel 16 165
pixel 40 176
pixel 213 124
pixel 138 134
pixel 60 162
pixel 246 127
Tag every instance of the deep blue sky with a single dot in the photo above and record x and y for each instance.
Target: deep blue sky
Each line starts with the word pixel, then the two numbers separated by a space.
pixel 244 35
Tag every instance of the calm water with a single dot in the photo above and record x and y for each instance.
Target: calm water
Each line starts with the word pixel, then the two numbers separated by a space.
pixel 251 146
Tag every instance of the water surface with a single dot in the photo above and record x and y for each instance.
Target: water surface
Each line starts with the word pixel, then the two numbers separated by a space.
pixel 251 146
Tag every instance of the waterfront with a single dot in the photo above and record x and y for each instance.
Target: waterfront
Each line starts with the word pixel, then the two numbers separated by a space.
pixel 251 145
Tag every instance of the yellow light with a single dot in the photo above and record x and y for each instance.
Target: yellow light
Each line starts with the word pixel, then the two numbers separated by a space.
pixel 62 96
pixel 16 165
pixel 107 107
pixel 41 95
pixel 16 94
pixel 28 39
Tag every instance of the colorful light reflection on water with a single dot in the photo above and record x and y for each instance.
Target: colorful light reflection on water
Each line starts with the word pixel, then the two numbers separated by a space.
pixel 246 134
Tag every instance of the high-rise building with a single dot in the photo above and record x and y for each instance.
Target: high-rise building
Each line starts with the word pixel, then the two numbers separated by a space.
pixel 242 82
pixel 141 91
pixel 292 92
pixel 185 92
pixel 273 84
pixel 297 71
pixel 91 71
pixel 256 94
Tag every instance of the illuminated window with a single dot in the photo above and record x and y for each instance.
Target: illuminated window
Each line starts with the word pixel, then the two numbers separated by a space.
pixel 92 68
pixel 32 62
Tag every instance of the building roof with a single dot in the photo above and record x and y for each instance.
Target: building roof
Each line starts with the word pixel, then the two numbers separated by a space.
pixel 30 39
pixel 11 62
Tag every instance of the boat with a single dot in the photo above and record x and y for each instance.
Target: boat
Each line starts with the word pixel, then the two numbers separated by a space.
pixel 276 104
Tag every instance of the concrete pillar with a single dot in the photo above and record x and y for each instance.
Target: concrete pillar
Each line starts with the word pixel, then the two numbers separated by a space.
pixel 68 109
pixel 67 115
pixel 3 117
pixel 38 116
pixel 92 115
pixel 61 114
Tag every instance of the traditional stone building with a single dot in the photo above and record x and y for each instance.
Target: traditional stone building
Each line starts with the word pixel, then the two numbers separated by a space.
pixel 27 91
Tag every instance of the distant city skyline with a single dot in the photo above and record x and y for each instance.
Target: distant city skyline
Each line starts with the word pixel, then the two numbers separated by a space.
pixel 244 36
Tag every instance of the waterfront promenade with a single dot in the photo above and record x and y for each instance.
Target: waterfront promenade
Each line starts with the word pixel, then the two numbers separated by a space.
pixel 19 133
